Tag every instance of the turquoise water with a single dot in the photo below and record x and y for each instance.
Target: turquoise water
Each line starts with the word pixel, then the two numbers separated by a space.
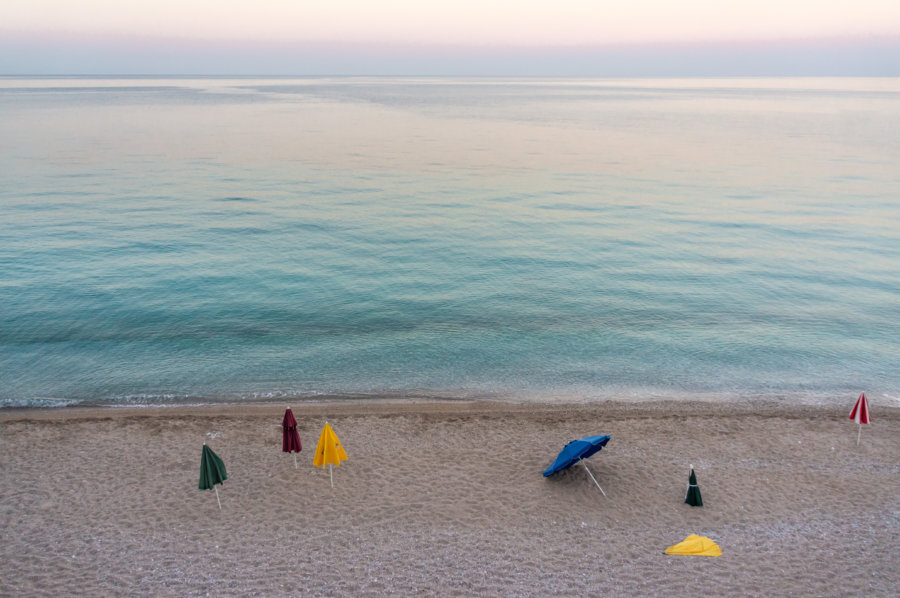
pixel 193 240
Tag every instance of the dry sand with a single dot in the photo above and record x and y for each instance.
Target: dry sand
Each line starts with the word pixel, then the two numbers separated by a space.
pixel 447 499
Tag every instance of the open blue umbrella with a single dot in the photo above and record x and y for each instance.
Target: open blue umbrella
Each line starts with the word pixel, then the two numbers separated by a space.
pixel 575 452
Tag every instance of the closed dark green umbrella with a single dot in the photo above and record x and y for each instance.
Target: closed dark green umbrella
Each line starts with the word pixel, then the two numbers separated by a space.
pixel 212 471
pixel 693 497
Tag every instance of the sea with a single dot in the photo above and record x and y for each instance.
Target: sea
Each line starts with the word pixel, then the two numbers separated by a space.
pixel 193 240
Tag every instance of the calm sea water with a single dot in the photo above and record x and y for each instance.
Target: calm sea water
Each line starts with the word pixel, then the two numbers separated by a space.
pixel 190 240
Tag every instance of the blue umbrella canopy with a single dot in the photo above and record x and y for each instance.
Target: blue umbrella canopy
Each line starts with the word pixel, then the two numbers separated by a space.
pixel 575 451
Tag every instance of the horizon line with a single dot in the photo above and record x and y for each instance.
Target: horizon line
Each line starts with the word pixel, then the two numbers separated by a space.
pixel 425 75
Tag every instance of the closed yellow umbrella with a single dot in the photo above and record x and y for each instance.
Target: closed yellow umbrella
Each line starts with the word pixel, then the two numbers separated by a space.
pixel 329 451
pixel 696 545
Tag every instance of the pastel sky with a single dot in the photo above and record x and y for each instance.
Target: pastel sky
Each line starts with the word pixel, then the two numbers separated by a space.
pixel 440 36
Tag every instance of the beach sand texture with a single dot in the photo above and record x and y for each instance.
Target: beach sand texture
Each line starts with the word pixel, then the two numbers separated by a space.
pixel 447 499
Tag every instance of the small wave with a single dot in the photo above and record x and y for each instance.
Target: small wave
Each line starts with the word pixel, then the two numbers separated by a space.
pixel 237 198
pixel 238 230
pixel 38 402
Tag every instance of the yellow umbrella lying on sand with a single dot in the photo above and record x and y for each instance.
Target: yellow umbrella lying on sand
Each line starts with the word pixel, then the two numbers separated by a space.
pixel 696 545
pixel 329 451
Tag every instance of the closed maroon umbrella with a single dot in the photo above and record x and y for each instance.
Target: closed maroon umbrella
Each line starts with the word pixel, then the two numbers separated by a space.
pixel 291 438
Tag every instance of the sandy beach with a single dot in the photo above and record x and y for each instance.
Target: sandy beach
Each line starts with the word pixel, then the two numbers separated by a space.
pixel 447 499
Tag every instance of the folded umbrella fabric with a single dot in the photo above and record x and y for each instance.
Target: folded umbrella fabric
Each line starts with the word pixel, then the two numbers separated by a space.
pixel 695 545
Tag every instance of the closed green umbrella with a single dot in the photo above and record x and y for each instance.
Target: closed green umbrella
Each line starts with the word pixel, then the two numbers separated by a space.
pixel 212 471
pixel 692 497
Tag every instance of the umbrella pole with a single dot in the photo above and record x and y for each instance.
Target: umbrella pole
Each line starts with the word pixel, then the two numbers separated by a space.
pixel 217 497
pixel 858 434
pixel 295 460
pixel 331 473
pixel 592 476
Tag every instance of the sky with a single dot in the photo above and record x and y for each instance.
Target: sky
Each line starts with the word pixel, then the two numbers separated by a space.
pixel 451 37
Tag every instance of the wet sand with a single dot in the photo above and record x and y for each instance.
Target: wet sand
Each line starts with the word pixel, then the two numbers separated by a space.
pixel 447 499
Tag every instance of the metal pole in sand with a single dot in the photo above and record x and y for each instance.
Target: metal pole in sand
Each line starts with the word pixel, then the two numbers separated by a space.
pixel 592 476
pixel 217 497
pixel 858 434
pixel 295 461
pixel 331 473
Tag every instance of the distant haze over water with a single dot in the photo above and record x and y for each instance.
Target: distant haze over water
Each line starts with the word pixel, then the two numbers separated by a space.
pixel 191 240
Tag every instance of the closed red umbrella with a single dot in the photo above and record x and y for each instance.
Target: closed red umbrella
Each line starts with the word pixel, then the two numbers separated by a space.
pixel 290 436
pixel 860 413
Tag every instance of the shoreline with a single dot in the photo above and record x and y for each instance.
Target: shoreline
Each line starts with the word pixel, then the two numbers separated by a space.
pixel 389 405
pixel 834 399
pixel 446 498
pixel 398 407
